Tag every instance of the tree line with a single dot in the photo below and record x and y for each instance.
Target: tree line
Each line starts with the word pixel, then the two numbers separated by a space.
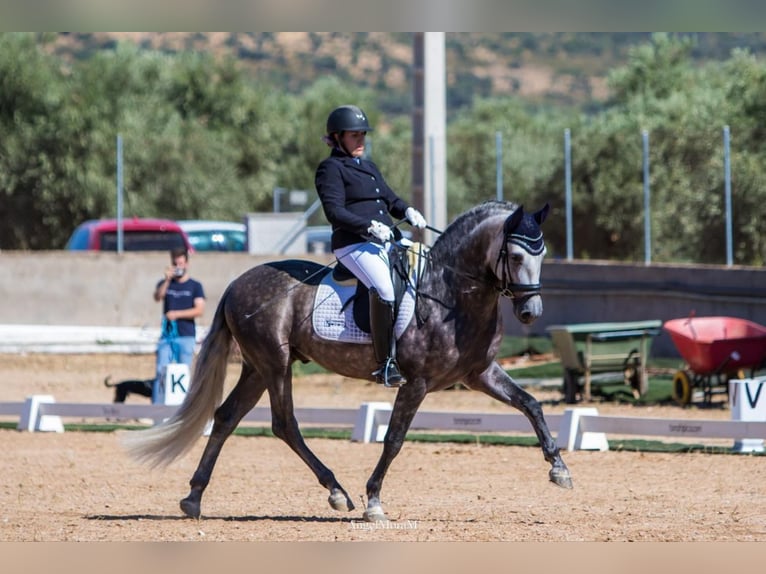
pixel 203 139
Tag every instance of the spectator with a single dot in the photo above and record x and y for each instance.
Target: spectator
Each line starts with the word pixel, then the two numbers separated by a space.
pixel 183 300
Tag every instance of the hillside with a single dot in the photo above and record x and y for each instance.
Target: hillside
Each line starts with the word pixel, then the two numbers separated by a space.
pixel 553 68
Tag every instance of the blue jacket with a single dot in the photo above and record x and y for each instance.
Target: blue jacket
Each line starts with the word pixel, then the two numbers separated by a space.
pixel 352 196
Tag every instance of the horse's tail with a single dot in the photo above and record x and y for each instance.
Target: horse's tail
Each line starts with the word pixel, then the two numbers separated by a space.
pixel 164 443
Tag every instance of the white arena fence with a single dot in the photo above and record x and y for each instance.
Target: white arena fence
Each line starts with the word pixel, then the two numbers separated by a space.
pixel 75 339
pixel 576 429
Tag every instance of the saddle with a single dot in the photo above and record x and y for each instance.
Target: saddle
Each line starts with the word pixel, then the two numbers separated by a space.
pixel 400 273
pixel 338 289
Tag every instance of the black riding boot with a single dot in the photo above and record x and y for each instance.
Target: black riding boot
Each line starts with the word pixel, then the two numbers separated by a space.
pixel 383 341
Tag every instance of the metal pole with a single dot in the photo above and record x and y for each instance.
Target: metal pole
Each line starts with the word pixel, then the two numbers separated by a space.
pixel 120 237
pixel 277 199
pixel 418 130
pixel 647 203
pixel 431 179
pixel 568 190
pixel 298 227
pixel 727 193
pixel 499 165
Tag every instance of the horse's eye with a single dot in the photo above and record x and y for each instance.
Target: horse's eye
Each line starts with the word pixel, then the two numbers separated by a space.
pixel 517 258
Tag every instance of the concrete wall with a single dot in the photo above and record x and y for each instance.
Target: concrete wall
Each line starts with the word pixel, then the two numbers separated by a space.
pixel 104 289
pixel 86 288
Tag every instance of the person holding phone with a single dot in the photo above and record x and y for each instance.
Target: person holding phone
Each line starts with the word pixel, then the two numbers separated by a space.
pixel 183 301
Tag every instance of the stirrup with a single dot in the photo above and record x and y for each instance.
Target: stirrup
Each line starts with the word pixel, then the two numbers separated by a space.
pixel 388 374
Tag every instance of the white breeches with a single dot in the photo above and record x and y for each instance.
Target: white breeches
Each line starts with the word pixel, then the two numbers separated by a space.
pixel 369 263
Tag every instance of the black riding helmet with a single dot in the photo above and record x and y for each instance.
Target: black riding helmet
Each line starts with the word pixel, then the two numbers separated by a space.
pixel 347 119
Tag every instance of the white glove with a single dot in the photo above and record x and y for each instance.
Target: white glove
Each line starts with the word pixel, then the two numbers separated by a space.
pixel 415 218
pixel 380 231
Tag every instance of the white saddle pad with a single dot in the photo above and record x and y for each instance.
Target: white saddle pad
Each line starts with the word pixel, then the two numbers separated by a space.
pixel 331 321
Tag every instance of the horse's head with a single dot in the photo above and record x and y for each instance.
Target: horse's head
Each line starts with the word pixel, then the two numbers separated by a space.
pixel 519 262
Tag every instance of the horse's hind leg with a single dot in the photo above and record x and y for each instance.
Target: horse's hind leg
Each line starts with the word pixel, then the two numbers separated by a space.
pixel 242 398
pixel 285 426
pixel 499 385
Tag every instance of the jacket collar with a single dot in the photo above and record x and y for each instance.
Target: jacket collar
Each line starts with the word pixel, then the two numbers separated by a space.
pixel 350 161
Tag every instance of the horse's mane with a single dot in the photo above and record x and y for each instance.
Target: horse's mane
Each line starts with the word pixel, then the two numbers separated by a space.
pixel 457 231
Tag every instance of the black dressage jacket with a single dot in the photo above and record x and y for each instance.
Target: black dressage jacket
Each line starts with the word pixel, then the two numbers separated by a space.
pixel 352 196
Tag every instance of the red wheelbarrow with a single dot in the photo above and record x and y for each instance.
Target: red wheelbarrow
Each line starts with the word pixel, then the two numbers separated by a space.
pixel 715 350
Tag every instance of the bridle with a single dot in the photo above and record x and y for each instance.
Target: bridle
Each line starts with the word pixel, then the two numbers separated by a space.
pixel 520 229
pixel 523 231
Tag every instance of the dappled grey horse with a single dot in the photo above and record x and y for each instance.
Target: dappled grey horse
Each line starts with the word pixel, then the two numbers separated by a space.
pixel 492 250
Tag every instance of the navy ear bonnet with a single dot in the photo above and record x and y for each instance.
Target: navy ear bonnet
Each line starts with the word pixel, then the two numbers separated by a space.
pixel 523 229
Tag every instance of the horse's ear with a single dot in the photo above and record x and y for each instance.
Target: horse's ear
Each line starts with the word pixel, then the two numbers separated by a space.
pixel 542 214
pixel 513 220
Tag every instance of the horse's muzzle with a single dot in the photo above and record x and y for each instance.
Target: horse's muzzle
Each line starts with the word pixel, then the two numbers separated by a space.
pixel 528 308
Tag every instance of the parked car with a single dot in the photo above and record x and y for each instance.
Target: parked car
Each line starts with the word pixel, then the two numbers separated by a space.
pixel 215 235
pixel 139 234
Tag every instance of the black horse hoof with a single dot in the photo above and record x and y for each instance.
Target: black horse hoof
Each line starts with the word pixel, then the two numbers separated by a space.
pixel 190 508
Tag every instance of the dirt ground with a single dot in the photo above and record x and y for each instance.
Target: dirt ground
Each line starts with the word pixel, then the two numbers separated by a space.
pixel 81 486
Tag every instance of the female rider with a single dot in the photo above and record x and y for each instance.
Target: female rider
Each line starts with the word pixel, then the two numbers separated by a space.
pixel 358 203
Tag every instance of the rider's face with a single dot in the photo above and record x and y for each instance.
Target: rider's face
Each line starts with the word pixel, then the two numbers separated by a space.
pixel 353 143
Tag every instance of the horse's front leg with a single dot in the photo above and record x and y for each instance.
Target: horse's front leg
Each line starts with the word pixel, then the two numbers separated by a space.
pixel 408 400
pixel 499 385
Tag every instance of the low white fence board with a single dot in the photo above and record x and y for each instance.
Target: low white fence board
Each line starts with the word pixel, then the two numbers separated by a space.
pixel 11 409
pixel 577 428
pixel 673 427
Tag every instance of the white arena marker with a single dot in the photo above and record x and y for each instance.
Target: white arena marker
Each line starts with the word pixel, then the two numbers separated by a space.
pixel 174 383
pixel 747 399
pixel 372 422
pixel 32 421
pixel 570 437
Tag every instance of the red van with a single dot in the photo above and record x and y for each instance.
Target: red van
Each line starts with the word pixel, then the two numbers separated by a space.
pixel 139 234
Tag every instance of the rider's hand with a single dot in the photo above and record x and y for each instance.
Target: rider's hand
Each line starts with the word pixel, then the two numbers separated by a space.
pixel 380 231
pixel 415 218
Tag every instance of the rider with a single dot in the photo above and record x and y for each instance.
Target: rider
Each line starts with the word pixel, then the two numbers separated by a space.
pixel 357 202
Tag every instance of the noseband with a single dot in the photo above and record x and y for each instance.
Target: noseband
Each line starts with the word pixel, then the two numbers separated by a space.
pixel 522 230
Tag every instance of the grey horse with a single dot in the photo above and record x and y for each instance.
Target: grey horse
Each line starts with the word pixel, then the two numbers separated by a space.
pixel 492 250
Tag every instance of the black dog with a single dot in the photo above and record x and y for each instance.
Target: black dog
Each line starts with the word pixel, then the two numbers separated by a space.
pixel 124 388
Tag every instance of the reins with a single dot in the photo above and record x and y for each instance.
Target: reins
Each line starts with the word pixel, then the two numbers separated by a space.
pixel 507 288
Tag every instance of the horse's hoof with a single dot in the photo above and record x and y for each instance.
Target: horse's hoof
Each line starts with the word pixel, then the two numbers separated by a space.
pixel 339 501
pixel 375 514
pixel 190 508
pixel 561 477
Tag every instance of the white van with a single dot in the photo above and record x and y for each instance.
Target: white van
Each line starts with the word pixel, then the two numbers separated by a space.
pixel 215 235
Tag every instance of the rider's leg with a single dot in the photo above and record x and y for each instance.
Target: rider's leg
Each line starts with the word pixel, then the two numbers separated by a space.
pixel 369 263
pixel 384 340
